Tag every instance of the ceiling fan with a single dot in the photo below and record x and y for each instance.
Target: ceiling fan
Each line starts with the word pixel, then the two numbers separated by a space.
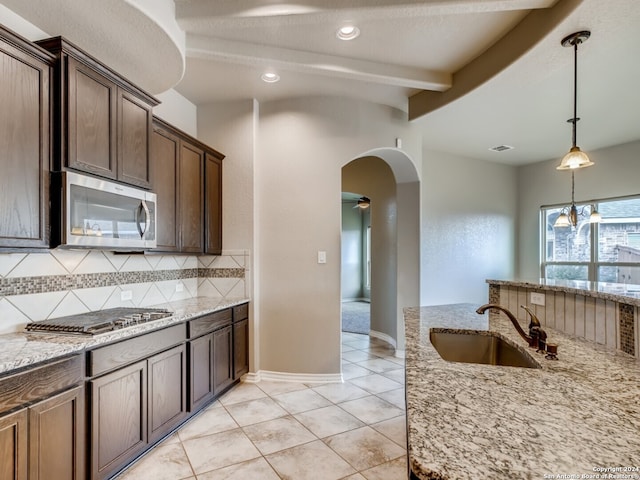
pixel 363 202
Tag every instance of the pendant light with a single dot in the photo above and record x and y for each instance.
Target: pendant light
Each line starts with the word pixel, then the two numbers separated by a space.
pixel 576 158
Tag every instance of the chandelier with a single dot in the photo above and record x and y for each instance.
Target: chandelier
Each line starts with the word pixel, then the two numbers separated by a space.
pixel 569 215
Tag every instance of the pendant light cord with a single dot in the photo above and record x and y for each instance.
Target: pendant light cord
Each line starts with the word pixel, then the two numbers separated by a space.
pixel 573 187
pixel 575 89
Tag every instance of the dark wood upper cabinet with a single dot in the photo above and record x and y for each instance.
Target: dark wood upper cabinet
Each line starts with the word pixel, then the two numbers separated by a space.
pixel 187 178
pixel 91 127
pixel 134 139
pixel 191 198
pixel 165 151
pixel 103 121
pixel 213 204
pixel 25 152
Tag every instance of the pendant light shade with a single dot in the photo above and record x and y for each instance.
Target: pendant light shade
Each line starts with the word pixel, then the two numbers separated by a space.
pixel 576 158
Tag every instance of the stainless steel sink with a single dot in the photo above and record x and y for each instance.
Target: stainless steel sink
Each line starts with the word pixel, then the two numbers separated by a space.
pixel 486 348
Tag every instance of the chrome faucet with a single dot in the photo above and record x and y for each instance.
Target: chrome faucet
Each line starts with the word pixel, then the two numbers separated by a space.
pixel 537 337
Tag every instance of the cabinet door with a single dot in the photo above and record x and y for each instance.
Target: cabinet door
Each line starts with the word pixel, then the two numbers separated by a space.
pixel 240 348
pixel 134 137
pixel 201 371
pixel 191 198
pixel 165 149
pixel 167 391
pixel 24 149
pixel 118 419
pixel 56 437
pixel 222 359
pixel 13 446
pixel 213 205
pixel 91 129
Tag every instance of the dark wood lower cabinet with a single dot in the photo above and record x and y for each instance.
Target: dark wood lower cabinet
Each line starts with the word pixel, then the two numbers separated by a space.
pixel 200 371
pixel 14 446
pixel 57 437
pixel 138 391
pixel 167 391
pixel 118 419
pixel 45 440
pixel 222 359
pixel 240 348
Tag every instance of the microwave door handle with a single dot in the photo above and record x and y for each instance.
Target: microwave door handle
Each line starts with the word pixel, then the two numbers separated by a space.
pixel 147 215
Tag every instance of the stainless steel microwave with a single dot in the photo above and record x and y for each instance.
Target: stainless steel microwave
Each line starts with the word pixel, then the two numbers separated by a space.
pixel 96 213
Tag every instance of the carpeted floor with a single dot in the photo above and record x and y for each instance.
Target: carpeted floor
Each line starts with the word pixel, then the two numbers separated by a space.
pixel 356 317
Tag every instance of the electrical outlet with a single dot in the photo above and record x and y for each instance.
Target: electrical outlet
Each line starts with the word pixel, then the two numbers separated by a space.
pixel 179 287
pixel 537 298
pixel 126 295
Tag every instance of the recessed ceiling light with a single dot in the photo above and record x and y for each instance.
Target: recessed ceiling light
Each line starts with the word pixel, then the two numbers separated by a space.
pixel 270 77
pixel 348 32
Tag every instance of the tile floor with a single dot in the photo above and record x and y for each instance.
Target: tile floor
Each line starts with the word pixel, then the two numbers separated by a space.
pixel 279 430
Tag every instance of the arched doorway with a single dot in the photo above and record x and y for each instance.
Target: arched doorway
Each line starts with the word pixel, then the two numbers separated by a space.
pixel 389 178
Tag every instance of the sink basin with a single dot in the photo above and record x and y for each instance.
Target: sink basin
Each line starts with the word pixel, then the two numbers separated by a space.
pixel 474 347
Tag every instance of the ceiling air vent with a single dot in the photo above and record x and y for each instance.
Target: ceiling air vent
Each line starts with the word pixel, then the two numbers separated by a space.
pixel 501 148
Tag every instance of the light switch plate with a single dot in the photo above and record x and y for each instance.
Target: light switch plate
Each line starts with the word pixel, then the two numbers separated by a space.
pixel 322 256
pixel 537 298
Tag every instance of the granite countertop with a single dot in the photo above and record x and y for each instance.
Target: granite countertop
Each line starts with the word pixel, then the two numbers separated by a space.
pixel 20 350
pixel 570 417
pixel 616 292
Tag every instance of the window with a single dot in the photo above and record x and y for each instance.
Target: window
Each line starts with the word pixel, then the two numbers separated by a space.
pixel 608 251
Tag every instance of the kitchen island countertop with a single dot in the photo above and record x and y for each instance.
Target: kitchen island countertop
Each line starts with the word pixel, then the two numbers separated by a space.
pixel 578 415
pixel 21 350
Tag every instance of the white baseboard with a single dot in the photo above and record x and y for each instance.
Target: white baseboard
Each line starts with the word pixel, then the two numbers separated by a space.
pixel 268 375
pixel 384 337
pixel 399 354
pixel 250 377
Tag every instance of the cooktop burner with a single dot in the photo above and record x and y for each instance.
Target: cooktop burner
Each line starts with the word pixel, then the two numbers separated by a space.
pixel 101 321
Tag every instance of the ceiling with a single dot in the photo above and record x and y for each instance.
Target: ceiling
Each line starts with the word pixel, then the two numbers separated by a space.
pixel 471 74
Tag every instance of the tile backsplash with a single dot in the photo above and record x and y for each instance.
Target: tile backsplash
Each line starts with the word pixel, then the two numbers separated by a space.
pixel 37 286
pixel 599 320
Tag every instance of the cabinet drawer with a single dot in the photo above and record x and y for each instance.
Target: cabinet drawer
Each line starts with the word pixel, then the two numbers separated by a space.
pixel 208 323
pixel 128 351
pixel 40 382
pixel 240 312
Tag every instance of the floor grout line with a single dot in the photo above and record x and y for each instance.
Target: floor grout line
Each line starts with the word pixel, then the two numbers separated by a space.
pixel 362 345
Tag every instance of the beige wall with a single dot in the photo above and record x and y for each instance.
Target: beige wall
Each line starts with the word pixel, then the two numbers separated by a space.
pixel 231 128
pixel 178 111
pixel 303 145
pixel 615 173
pixel 468 227
pixel 373 177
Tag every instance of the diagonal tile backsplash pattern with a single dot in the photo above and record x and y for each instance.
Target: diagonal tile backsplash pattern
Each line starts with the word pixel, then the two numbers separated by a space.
pixel 37 286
